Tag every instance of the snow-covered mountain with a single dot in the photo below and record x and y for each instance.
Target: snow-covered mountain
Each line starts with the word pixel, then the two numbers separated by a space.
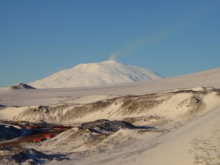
pixel 92 74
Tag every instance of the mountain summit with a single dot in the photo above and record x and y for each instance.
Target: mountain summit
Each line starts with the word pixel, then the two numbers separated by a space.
pixel 92 74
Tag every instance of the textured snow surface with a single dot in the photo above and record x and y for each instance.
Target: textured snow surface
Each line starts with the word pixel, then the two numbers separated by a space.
pixel 27 157
pixel 184 111
pixel 107 72
pixel 27 97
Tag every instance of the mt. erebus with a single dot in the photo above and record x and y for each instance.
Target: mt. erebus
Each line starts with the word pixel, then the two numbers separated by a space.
pixel 92 74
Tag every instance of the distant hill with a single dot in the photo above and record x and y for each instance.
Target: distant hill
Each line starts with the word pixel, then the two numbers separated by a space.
pixel 92 74
pixel 21 86
pixel 17 87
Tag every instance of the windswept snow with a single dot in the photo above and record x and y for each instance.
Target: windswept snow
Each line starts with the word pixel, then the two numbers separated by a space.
pixel 210 78
pixel 195 143
pixel 93 74
pixel 183 112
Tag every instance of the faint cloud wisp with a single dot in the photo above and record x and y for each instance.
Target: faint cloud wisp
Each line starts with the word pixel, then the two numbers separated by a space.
pixel 150 39
pixel 196 13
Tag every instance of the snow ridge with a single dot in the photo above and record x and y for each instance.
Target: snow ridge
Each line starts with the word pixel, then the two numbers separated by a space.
pixel 92 74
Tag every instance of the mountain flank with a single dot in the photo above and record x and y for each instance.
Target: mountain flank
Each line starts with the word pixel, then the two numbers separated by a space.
pixel 93 74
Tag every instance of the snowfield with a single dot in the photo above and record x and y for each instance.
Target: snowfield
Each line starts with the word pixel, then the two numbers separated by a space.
pixel 176 120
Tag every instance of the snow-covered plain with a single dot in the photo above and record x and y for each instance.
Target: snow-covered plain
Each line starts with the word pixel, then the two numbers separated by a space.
pixel 184 112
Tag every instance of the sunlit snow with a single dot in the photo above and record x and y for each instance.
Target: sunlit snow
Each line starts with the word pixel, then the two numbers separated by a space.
pixel 184 112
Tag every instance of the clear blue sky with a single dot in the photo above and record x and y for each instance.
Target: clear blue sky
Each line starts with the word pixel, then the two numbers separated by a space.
pixel 171 37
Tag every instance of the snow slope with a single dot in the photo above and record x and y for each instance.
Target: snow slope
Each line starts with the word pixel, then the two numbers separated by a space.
pixel 184 111
pixel 164 106
pixel 107 72
pixel 195 143
pixel 72 95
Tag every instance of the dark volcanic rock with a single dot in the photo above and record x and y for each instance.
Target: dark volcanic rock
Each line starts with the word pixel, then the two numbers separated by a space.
pixel 9 132
pixel 30 156
pixel 107 125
